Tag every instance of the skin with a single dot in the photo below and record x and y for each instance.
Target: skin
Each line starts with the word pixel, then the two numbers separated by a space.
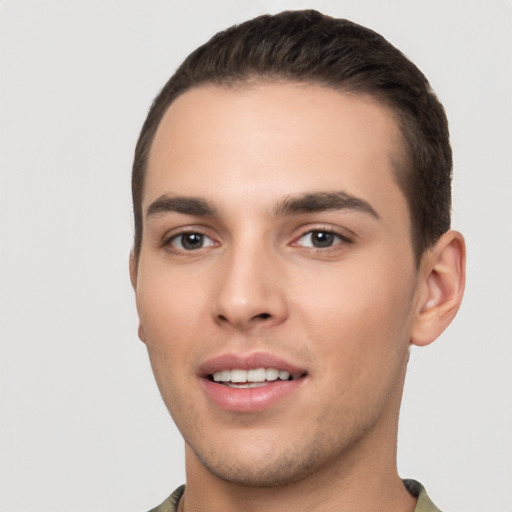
pixel 345 312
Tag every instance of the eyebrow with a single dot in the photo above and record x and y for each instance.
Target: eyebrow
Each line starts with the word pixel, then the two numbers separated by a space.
pixel 323 201
pixel 179 204
pixel 301 203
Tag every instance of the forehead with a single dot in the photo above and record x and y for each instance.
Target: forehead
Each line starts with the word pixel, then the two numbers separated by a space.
pixel 296 137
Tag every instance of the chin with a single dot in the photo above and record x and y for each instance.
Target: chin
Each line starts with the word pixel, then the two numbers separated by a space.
pixel 278 472
pixel 270 466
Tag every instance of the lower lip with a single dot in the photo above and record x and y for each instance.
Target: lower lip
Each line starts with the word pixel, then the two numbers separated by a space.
pixel 249 399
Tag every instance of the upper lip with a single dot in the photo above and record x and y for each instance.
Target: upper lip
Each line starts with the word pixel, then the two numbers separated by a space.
pixel 232 361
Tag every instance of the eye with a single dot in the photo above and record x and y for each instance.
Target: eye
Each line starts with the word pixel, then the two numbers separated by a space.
pixel 320 239
pixel 191 241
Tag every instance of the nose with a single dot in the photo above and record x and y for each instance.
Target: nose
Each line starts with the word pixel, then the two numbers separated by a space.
pixel 250 290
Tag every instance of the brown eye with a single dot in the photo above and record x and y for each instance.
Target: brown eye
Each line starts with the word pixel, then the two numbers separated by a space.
pixel 322 239
pixel 319 239
pixel 191 241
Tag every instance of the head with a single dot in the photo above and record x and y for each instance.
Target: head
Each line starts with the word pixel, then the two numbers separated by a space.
pixel 311 48
pixel 291 192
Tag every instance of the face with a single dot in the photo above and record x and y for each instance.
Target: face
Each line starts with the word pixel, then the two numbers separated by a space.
pixel 276 283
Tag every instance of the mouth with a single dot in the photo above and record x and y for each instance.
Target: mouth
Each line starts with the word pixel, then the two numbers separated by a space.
pixel 251 382
pixel 252 378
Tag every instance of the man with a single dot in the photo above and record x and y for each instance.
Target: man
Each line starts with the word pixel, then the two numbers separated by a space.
pixel 291 190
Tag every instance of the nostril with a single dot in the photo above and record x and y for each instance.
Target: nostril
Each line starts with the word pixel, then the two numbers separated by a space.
pixel 243 318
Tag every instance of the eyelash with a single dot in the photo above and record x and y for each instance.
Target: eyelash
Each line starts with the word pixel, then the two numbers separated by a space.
pixel 168 242
pixel 324 231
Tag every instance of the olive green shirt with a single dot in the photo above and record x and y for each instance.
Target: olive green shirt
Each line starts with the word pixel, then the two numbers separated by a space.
pixel 415 488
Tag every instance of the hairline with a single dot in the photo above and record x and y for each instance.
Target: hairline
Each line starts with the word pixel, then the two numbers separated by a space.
pixel 401 157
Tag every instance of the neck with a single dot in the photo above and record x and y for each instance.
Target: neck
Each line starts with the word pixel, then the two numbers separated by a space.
pixel 365 478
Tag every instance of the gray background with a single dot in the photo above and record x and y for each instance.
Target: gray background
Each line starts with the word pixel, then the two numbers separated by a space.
pixel 82 425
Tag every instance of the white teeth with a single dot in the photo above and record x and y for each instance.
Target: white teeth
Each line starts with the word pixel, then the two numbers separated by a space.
pixel 271 374
pixel 224 375
pixel 284 375
pixel 256 375
pixel 238 376
pixel 245 385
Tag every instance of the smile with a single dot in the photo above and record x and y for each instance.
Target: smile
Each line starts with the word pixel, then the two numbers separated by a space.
pixel 249 383
pixel 239 378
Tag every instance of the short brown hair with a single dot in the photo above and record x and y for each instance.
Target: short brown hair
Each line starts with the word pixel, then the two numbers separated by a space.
pixel 307 46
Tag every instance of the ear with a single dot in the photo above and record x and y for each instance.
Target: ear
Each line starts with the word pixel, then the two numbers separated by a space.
pixel 133 266
pixel 442 277
pixel 133 269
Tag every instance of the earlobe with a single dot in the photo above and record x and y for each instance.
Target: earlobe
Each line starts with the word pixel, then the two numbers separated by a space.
pixel 133 270
pixel 141 333
pixel 133 279
pixel 441 287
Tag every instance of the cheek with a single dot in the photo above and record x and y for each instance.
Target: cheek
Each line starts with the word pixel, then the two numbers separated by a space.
pixel 168 312
pixel 169 304
pixel 360 323
pixel 172 311
pixel 167 341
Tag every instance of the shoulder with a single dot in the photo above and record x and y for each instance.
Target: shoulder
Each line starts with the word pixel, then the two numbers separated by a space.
pixel 424 503
pixel 171 503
